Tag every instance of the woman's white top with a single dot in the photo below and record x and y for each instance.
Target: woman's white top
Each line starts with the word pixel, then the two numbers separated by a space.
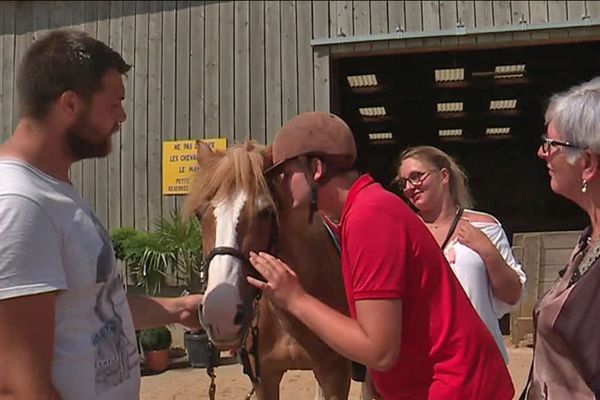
pixel 470 270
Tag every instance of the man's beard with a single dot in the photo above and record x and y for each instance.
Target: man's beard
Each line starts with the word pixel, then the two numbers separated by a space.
pixel 81 146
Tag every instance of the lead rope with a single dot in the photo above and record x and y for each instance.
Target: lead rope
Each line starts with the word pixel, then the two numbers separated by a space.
pixel 249 395
pixel 210 371
pixel 244 354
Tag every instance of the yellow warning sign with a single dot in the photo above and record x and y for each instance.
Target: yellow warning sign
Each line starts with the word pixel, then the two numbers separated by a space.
pixel 179 163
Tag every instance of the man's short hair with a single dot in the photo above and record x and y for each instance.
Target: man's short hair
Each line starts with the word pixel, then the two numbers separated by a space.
pixel 61 61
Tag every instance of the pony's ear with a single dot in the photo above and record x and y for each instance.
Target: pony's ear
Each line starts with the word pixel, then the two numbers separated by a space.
pixel 267 154
pixel 204 153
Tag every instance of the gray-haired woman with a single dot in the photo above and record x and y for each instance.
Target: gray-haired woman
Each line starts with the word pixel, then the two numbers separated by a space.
pixel 567 340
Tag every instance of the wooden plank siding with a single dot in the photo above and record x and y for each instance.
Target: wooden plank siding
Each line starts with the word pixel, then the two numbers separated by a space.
pixel 127 131
pixel 140 117
pixel 241 60
pixel 273 90
pixel 414 21
pixel 465 12
pixel 75 20
pixel 115 40
pixel 321 27
pixel 289 61
pixel 154 137
pixel 379 22
pixel 8 69
pixel 88 167
pixel 226 118
pixel 211 82
pixel 396 22
pixel 237 69
pixel 169 48
pixel 100 180
pixel 182 74
pixel 257 29
pixel 543 255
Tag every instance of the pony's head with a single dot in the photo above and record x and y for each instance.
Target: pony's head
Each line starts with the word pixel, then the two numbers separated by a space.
pixel 232 198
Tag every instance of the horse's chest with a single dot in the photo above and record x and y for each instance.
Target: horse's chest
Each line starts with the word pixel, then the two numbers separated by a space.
pixel 287 350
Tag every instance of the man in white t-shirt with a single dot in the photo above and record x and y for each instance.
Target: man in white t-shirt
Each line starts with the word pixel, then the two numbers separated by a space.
pixel 66 324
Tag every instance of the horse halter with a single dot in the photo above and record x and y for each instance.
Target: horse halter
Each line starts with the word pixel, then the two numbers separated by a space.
pixel 225 251
pixel 237 254
pixel 253 330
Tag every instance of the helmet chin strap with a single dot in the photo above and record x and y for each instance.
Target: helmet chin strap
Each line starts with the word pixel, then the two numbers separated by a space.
pixel 313 200
pixel 314 188
pixel 329 173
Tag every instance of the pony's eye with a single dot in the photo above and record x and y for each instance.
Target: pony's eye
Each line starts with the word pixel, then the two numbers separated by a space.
pixel 265 213
pixel 200 211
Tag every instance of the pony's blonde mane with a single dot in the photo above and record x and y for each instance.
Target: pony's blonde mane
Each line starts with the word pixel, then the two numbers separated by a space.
pixel 225 173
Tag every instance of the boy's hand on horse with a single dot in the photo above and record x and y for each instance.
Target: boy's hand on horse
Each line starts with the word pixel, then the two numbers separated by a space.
pixel 281 283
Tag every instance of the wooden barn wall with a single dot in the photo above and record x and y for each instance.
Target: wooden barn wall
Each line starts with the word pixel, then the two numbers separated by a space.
pixel 231 69
pixel 543 255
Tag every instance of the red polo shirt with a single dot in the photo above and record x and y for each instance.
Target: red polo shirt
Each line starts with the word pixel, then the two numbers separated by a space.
pixel 446 353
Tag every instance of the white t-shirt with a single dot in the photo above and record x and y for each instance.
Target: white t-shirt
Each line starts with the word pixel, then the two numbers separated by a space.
pixel 50 240
pixel 470 270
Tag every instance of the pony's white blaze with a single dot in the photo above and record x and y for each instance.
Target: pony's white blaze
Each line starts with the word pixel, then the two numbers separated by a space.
pixel 222 298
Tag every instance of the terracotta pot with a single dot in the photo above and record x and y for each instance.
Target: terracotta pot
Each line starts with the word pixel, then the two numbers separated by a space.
pixel 157 361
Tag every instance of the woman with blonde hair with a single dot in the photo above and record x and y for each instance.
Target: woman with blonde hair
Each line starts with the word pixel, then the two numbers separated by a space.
pixel 473 242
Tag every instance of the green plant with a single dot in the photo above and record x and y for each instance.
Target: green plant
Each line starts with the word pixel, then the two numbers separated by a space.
pixel 154 339
pixel 131 246
pixel 182 240
pixel 173 248
pixel 121 241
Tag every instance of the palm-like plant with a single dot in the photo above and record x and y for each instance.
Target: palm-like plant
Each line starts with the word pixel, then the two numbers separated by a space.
pixel 174 248
pixel 181 244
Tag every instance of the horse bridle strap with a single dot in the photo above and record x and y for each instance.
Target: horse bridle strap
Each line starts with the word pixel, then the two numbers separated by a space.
pixel 226 251
pixel 254 330
pixel 244 353
pixel 245 358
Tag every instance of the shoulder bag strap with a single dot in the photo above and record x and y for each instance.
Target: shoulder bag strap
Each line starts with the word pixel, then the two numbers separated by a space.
pixel 455 221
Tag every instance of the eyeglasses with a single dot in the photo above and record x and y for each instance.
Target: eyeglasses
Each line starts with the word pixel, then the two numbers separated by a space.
pixel 415 178
pixel 548 144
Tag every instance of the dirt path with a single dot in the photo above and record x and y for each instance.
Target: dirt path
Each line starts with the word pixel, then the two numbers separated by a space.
pixel 232 384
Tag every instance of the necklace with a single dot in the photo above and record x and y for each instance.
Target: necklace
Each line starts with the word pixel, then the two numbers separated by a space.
pixel 436 226
pixel 591 255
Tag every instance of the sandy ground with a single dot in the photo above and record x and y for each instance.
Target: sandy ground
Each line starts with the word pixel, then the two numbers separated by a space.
pixel 183 383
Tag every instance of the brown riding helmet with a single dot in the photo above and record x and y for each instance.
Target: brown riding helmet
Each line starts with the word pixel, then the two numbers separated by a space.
pixel 315 133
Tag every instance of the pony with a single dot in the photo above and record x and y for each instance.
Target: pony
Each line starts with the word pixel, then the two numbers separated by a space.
pixel 241 211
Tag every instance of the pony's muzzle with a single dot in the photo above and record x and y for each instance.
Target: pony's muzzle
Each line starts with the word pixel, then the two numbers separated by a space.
pixel 223 316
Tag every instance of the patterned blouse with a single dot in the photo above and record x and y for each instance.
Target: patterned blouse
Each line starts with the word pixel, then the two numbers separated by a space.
pixel 567 324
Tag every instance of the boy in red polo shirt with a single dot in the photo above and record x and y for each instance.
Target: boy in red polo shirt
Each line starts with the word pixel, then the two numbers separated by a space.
pixel 411 323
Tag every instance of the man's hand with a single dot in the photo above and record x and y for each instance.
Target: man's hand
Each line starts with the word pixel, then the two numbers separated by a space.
pixel 150 312
pixel 188 315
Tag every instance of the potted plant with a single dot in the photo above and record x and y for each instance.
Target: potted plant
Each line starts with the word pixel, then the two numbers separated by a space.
pixel 155 343
pixel 132 247
pixel 173 248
